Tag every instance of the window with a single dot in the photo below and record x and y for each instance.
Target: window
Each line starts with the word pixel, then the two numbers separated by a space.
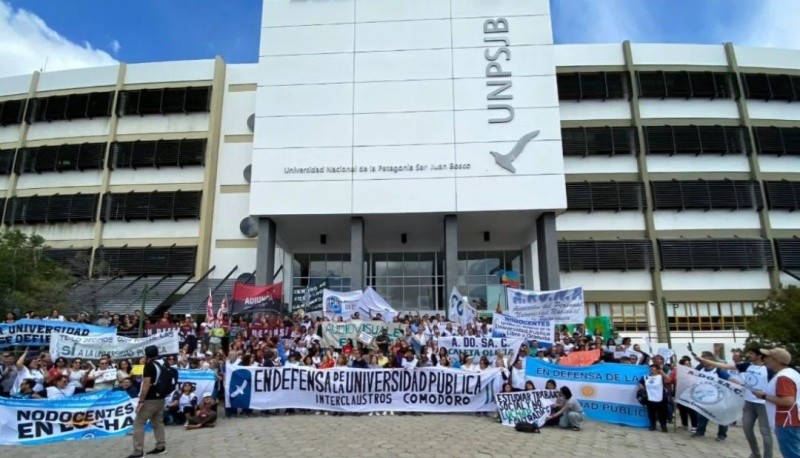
pixel 706 195
pixel 11 112
pixel 777 140
pixel 788 251
pixel 771 87
pixel 6 161
pixel 165 101
pixel 316 267
pixel 709 316
pixel 605 196
pixel 585 86
pixel 51 209
pixel 685 85
pixel 73 106
pixel 697 140
pixel 151 206
pixel 782 195
pixel 626 316
pixel 715 254
pixel 65 258
pixel 159 153
pixel 599 255
pixel 149 260
pixel 605 141
pixel 61 158
pixel 410 281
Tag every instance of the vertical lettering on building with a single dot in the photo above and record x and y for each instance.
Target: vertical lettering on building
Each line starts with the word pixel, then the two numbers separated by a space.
pixel 495 32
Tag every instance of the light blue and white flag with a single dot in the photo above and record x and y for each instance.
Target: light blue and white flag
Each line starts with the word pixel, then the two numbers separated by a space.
pixel 371 303
pixel 36 333
pixel 607 392
pixel 94 415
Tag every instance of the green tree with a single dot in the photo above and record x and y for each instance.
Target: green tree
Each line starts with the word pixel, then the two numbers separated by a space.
pixel 29 280
pixel 777 322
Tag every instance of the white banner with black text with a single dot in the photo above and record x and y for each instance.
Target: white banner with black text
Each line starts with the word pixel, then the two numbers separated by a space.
pixel 119 347
pixel 525 406
pixel 480 346
pixel 564 306
pixel 361 390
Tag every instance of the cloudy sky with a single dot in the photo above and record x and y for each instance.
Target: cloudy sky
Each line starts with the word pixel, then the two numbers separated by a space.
pixel 80 33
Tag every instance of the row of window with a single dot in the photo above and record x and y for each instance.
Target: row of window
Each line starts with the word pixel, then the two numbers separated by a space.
pixel 696 140
pixel 148 260
pixel 736 253
pixel 98 105
pixel 682 316
pixel 86 156
pixel 677 84
pixel 683 195
pixel 75 208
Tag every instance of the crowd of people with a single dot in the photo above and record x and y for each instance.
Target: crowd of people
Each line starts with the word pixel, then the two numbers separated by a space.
pixel 297 341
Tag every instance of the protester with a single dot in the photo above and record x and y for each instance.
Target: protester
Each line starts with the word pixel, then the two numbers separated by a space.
pixel 8 374
pixel 29 369
pixel 26 390
pixel 656 385
pixel 60 388
pixel 688 416
pixel 205 414
pixel 702 421
pixel 181 404
pixel 782 397
pixel 571 413
pixel 755 376
pixel 103 375
pixel 150 407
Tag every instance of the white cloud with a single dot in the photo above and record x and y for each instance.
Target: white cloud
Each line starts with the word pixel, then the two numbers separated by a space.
pixel 27 42
pixel 115 46
pixel 773 23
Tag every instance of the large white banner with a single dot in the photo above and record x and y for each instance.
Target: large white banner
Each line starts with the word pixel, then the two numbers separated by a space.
pixel 361 390
pixel 336 304
pixel 718 400
pixel 509 326
pixel 119 347
pixel 562 306
pixel 371 303
pixel 480 346
pixel 460 312
pixel 87 416
pixel 525 406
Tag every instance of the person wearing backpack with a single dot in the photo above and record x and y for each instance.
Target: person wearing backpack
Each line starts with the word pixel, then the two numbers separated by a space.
pixel 158 381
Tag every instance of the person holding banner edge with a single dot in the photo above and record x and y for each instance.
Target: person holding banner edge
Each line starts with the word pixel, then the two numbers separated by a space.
pixel 702 421
pixel 755 377
pixel 782 398
pixel 656 385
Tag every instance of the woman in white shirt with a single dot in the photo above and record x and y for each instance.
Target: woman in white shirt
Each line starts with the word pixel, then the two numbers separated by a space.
pixel 104 376
pixel 182 403
pixel 75 375
pixel 30 370
pixel 656 384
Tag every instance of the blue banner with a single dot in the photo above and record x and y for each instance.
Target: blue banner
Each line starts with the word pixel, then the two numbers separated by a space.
pixel 86 416
pixel 203 381
pixel 606 391
pixel 35 333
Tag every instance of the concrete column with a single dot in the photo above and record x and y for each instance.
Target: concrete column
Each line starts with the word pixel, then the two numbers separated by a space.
pixel 357 253
pixel 265 252
pixel 288 277
pixel 528 266
pixel 450 254
pixel 547 243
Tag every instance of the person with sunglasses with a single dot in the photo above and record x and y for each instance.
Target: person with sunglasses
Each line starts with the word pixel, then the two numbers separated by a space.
pixel 59 368
pixel 104 376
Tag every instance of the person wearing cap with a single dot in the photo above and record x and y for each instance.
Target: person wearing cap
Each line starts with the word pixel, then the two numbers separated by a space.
pixel 782 397
pixel 205 414
pixel 150 407
pixel 755 376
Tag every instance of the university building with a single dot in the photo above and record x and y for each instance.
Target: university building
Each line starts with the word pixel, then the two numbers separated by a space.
pixel 417 145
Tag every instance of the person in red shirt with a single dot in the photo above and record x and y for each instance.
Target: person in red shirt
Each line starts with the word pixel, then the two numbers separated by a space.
pixel 783 400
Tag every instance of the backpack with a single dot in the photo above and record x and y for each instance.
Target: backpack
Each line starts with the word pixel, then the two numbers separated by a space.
pixel 525 427
pixel 166 380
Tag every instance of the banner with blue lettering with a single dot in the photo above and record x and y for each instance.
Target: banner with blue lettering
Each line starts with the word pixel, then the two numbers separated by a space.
pixel 87 416
pixel 35 333
pixel 606 391
pixel 203 381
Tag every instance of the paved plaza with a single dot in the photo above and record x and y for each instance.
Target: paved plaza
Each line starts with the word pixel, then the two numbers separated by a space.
pixel 403 436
